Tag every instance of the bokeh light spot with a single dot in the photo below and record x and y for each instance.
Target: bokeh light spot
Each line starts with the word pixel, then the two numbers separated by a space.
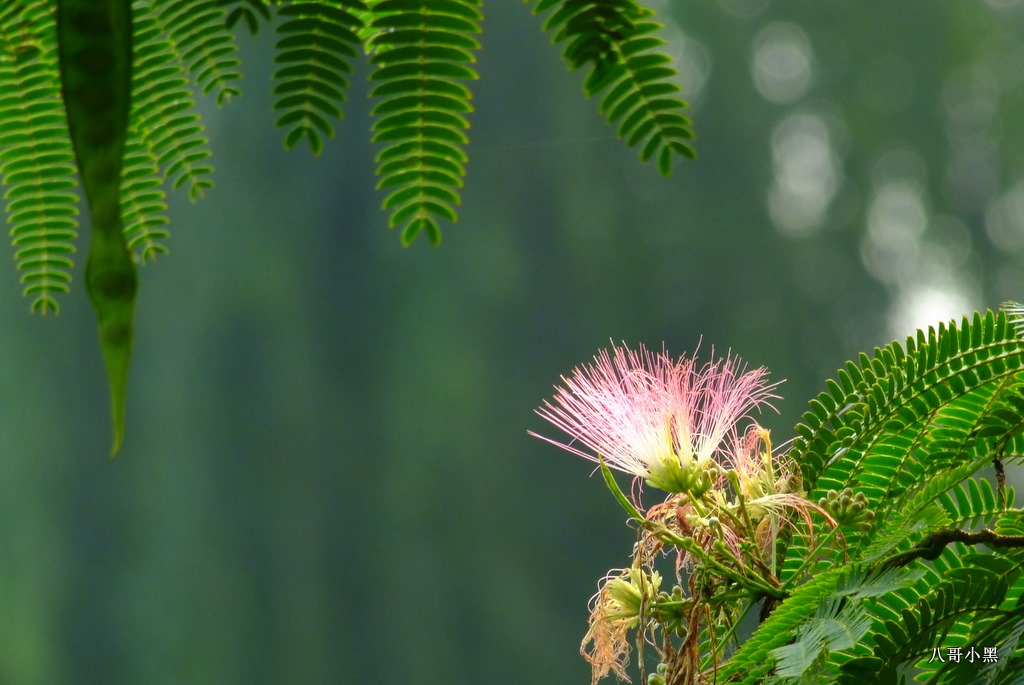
pixel 782 63
pixel 806 174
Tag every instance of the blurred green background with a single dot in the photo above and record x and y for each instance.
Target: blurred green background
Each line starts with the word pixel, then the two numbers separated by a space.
pixel 327 477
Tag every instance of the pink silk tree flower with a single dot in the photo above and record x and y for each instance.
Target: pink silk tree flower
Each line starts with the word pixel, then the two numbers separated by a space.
pixel 656 418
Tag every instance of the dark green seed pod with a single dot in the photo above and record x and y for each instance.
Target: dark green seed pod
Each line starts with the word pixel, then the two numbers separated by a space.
pixel 95 56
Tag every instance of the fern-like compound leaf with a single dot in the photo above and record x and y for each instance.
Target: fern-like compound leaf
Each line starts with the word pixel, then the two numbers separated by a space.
pixel 422 52
pixel 252 12
pixel 817 627
pixel 752 662
pixel 164 116
pixel 896 645
pixel 971 504
pixel 205 47
pixel 318 41
pixel 617 40
pixel 143 203
pixel 909 423
pixel 37 164
pixel 829 630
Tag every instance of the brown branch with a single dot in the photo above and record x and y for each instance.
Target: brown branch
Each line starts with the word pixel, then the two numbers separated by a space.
pixel 932 545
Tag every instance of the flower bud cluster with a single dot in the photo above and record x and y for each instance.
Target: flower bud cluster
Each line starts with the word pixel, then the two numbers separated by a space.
pixel 847 508
pixel 672 610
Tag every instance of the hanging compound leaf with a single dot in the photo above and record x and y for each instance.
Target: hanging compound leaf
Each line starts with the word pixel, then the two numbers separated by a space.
pixel 36 159
pixel 616 40
pixel 249 11
pixel 208 52
pixel 317 44
pixel 164 114
pixel 422 51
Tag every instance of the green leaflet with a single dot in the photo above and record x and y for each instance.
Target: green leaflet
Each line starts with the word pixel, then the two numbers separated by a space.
pixel 95 46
